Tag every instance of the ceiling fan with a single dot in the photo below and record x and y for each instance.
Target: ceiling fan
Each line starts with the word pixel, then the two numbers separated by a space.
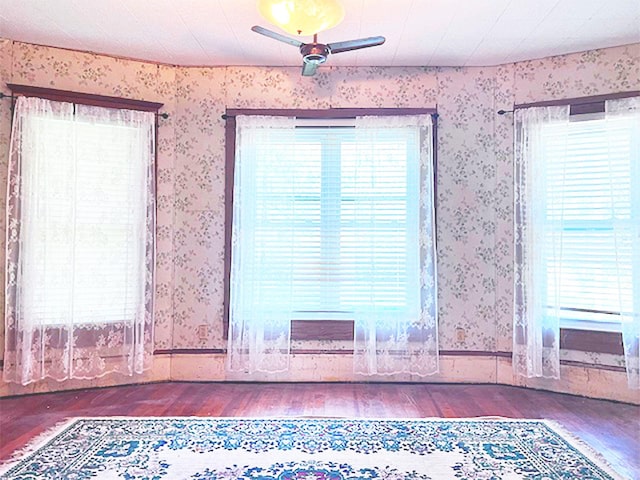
pixel 313 54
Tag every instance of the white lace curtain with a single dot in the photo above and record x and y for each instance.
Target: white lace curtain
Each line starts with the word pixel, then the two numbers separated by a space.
pixel 261 272
pixel 538 243
pixel 390 340
pixel 277 272
pixel 80 242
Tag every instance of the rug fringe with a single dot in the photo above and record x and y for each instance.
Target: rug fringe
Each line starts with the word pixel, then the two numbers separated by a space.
pixel 35 443
pixel 587 450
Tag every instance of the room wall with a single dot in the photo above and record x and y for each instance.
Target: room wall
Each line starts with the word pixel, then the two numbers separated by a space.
pixel 475 162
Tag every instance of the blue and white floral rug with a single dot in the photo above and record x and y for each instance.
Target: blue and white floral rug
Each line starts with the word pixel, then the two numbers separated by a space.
pixel 307 449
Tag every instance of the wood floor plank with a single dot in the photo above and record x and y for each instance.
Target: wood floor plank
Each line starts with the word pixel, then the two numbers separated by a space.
pixel 611 428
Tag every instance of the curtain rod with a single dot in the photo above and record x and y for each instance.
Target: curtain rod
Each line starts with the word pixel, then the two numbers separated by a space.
pixel 83 98
pixel 435 115
pixel 163 115
pixel 594 99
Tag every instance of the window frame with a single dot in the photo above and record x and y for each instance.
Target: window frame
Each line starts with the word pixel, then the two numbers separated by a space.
pixel 588 113
pixel 301 329
pixel 79 98
pixel 582 338
pixel 83 98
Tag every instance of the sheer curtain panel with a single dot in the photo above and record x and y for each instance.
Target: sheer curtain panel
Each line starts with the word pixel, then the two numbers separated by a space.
pixel 623 140
pixel 391 238
pixel 264 195
pixel 80 242
pixel 540 146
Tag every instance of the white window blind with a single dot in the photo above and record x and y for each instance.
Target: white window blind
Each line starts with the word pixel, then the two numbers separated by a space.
pixel 592 213
pixel 340 217
pixel 84 229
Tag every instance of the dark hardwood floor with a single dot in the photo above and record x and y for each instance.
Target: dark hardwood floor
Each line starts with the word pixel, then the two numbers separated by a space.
pixel 611 428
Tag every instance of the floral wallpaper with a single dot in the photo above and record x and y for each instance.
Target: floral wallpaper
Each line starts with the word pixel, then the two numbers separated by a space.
pixel 475 163
pixel 90 73
pixel 503 205
pixel 465 216
pixel 588 73
pixel 199 209
pixel 5 133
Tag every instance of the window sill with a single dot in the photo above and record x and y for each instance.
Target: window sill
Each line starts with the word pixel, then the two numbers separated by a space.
pixel 591 326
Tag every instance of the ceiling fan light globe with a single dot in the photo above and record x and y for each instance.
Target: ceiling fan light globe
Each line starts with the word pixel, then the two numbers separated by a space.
pixel 302 17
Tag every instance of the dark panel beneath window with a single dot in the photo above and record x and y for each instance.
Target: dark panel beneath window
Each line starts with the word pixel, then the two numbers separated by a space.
pixel 322 330
pixel 591 341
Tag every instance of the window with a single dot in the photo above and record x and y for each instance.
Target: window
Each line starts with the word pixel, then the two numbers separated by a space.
pixel 84 223
pixel 80 236
pixel 333 222
pixel 592 214
pixel 352 213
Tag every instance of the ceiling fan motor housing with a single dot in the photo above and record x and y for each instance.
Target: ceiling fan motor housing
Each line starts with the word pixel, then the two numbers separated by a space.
pixel 314 53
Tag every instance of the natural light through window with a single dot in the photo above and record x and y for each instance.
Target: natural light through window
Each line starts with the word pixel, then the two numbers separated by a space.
pixel 84 268
pixel 592 186
pixel 347 199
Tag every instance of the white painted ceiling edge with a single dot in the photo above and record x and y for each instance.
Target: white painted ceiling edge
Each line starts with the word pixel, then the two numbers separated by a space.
pixel 418 32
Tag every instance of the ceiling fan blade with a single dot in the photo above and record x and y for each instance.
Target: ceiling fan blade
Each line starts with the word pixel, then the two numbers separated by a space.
pixel 338 47
pixel 276 36
pixel 309 69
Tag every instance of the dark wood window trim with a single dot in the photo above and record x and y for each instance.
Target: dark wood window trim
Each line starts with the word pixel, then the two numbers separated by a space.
pixel 83 98
pixel 580 105
pixel 443 353
pixel 300 329
pixel 328 112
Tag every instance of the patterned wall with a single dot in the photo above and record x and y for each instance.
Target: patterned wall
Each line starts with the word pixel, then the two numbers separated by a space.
pixel 5 132
pixel 474 165
pixel 88 73
pixel 465 216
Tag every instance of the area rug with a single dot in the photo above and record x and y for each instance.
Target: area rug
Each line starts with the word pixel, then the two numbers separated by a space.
pixel 307 449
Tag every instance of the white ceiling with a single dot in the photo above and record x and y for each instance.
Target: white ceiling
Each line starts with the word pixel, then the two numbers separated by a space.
pixel 418 32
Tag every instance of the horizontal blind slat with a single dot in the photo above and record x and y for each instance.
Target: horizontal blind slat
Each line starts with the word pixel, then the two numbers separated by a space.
pixel 588 181
pixel 333 210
